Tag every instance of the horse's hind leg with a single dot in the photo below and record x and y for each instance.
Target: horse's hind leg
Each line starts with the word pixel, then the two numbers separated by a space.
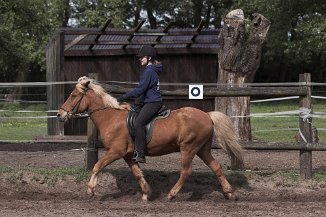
pixel 185 172
pixel 138 173
pixel 108 158
pixel 206 155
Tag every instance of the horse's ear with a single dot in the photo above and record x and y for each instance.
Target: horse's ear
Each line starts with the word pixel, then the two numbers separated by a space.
pixel 87 83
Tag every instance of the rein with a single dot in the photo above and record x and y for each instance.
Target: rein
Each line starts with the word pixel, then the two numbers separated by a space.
pixel 96 110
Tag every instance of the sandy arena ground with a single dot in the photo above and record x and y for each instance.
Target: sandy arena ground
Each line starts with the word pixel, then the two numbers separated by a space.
pixel 118 194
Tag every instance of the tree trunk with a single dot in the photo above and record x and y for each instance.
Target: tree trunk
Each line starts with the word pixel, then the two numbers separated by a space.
pixel 208 15
pixel 150 14
pixel 239 58
pixel 197 11
pixel 66 13
pixel 137 10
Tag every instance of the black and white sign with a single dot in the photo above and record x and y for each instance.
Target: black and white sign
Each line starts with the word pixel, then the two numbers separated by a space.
pixel 196 91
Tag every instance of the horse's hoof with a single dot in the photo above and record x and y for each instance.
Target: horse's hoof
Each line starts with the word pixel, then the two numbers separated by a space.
pixel 90 192
pixel 170 197
pixel 231 196
pixel 145 197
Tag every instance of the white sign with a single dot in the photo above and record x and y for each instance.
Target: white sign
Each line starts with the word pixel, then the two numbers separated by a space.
pixel 196 91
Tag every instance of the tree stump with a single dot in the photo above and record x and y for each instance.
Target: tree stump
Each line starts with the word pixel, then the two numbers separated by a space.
pixel 239 57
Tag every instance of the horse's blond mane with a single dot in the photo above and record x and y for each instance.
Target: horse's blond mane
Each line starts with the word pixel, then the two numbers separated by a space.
pixel 108 100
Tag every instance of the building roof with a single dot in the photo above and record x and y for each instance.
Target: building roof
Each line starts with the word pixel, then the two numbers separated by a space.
pixel 109 41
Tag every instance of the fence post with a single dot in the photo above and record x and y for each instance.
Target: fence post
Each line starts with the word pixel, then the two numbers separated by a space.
pixel 92 137
pixel 92 150
pixel 305 129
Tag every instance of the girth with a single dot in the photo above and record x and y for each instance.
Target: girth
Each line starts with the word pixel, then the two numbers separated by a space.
pixel 132 115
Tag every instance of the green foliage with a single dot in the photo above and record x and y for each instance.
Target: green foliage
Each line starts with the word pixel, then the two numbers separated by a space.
pixel 94 13
pixel 26 27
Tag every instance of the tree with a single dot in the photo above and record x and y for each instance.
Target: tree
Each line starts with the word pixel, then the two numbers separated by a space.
pixel 239 58
pixel 25 29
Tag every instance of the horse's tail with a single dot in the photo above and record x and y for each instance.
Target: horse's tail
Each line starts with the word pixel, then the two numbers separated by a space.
pixel 226 137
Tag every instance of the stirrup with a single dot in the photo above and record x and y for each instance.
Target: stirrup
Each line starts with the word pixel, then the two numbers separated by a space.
pixel 137 159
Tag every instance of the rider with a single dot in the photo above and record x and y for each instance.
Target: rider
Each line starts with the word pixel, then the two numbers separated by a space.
pixel 150 98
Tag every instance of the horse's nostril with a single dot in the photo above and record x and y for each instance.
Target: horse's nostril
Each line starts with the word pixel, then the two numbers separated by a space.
pixel 58 115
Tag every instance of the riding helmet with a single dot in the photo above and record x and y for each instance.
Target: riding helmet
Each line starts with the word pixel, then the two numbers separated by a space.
pixel 147 50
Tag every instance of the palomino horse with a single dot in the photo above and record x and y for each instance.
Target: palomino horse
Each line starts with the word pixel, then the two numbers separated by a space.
pixel 187 130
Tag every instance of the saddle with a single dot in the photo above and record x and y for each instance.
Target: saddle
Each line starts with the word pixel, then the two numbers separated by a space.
pixel 132 115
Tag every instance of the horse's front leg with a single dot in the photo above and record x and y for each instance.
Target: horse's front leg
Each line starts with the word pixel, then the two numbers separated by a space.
pixel 138 173
pixel 108 158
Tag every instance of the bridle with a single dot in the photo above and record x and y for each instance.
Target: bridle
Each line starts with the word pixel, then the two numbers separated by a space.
pixel 73 112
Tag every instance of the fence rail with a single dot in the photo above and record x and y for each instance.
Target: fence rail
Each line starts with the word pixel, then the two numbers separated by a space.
pixel 227 91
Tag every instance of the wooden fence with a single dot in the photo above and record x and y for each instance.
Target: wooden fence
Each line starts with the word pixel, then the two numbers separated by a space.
pixel 303 91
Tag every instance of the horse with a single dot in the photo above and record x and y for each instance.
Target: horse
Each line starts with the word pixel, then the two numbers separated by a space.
pixel 187 130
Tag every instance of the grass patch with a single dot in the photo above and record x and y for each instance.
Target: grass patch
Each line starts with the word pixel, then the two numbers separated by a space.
pixel 282 129
pixel 19 123
pixel 49 176
pixel 15 177
pixel 320 177
pixel 268 129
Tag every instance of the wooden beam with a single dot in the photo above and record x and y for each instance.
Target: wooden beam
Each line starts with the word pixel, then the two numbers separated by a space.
pixel 199 28
pixel 108 21
pixel 135 31
pixel 88 42
pixel 227 92
pixel 145 32
pixel 133 51
pixel 75 41
pixel 256 91
pixel 165 31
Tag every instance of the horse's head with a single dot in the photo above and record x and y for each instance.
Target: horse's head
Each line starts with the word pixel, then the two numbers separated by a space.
pixel 88 96
pixel 76 102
